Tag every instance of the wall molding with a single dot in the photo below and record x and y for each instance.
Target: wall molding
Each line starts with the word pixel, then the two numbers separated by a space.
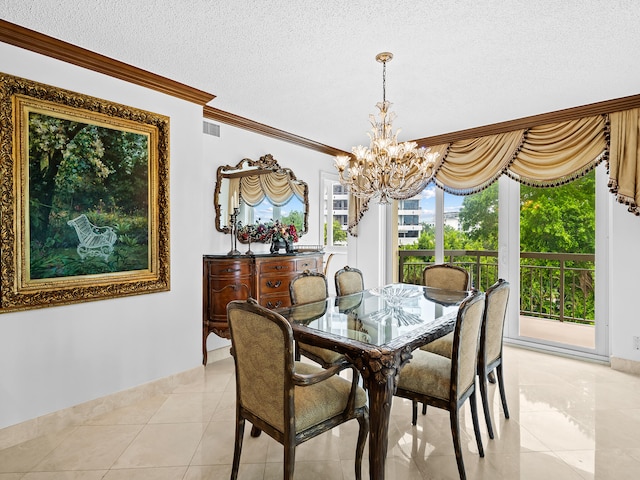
pixel 22 37
pixel 252 126
pixel 599 108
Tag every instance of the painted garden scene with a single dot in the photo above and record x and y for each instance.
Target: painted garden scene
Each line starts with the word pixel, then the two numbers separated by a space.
pixel 88 198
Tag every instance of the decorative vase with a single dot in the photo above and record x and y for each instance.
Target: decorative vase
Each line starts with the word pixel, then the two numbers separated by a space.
pixel 276 245
pixel 288 246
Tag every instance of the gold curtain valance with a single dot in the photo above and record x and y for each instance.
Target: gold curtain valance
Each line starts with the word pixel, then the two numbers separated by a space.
pixel 545 155
pixel 275 186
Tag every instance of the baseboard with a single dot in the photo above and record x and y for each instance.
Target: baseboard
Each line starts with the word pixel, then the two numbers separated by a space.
pixel 78 414
pixel 625 365
pixel 218 354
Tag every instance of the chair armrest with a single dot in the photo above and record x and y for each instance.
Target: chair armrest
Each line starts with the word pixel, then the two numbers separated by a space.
pixel 303 380
pixel 306 380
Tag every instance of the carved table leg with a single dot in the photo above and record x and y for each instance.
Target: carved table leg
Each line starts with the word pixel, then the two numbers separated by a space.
pixel 380 370
pixel 380 397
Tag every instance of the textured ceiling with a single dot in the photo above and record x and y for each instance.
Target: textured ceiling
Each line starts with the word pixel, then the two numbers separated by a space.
pixel 309 67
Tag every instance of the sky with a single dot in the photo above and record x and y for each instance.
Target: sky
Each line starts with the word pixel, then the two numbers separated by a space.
pixel 428 203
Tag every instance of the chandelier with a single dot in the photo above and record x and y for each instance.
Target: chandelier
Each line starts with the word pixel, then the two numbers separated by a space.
pixel 386 169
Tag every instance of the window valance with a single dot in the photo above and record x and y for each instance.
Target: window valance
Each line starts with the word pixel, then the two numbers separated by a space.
pixel 542 156
pixel 276 186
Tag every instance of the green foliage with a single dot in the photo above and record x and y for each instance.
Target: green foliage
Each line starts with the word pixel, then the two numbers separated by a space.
pixel 47 262
pixel 339 235
pixel 479 218
pixel 559 219
pixel 77 167
pixel 296 218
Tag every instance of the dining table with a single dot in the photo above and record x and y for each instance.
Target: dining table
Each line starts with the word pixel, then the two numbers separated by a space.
pixel 376 330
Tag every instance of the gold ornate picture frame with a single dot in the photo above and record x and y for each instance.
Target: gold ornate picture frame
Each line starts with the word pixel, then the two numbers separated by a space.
pixel 84 197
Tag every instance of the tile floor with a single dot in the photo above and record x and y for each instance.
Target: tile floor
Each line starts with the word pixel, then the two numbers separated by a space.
pixel 570 419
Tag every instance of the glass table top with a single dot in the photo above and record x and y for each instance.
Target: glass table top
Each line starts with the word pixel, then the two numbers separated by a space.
pixel 379 315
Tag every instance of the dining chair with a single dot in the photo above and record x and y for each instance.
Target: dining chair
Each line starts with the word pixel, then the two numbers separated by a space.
pixel 446 276
pixel 310 287
pixel 348 280
pixel 291 401
pixel 490 349
pixel 448 382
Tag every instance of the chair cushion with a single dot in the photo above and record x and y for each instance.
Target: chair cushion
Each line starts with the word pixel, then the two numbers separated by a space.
pixel 428 374
pixel 317 403
pixel 327 356
pixel 442 346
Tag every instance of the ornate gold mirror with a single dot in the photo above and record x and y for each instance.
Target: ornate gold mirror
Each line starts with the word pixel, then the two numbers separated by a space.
pixel 263 192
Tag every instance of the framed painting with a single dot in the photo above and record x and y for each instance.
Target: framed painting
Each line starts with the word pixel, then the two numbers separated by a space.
pixel 84 197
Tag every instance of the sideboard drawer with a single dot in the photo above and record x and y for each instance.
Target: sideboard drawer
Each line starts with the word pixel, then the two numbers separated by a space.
pixel 275 301
pixel 306 264
pixel 273 284
pixel 229 268
pixel 279 266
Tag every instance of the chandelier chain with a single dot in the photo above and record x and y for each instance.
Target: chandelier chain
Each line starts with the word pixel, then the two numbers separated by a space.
pixel 384 81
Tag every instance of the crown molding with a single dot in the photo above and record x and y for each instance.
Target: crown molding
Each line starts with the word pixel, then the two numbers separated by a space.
pixel 22 37
pixel 567 114
pixel 252 126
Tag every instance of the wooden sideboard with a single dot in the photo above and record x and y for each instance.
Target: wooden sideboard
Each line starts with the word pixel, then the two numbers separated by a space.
pixel 265 277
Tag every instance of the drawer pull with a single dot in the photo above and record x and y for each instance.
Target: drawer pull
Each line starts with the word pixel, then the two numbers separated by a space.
pixel 278 304
pixel 229 270
pixel 278 267
pixel 275 284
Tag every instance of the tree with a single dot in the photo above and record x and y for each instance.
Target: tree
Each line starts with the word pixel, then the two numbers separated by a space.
pixel 339 235
pixel 75 166
pixel 479 217
pixel 294 217
pixel 559 219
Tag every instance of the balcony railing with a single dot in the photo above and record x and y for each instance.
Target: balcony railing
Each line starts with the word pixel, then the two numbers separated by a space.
pixel 557 286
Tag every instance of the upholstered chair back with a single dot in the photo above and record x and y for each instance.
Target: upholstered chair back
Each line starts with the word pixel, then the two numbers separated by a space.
pixel 446 276
pixel 496 310
pixel 308 287
pixel 465 342
pixel 348 280
pixel 263 354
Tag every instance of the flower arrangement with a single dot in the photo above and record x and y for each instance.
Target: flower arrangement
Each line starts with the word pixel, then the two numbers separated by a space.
pixel 268 232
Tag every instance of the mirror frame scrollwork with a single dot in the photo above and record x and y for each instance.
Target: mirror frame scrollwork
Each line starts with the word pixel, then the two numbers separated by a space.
pixel 266 164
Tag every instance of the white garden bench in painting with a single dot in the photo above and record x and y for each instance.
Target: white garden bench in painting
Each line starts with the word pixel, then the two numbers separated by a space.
pixel 94 241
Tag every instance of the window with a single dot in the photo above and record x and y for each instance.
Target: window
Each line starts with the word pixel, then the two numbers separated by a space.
pixel 335 211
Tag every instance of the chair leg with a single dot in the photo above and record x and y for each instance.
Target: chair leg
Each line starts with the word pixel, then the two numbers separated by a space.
pixel 485 403
pixel 424 408
pixel 289 461
pixel 503 396
pixel 362 438
pixel 237 448
pixel 476 425
pixel 455 433
pixel 414 412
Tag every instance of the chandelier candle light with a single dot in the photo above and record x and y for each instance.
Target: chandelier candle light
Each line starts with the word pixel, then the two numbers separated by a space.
pixel 386 169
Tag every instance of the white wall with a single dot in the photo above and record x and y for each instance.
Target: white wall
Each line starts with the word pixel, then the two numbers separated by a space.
pixel 57 357
pixel 235 144
pixel 624 319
